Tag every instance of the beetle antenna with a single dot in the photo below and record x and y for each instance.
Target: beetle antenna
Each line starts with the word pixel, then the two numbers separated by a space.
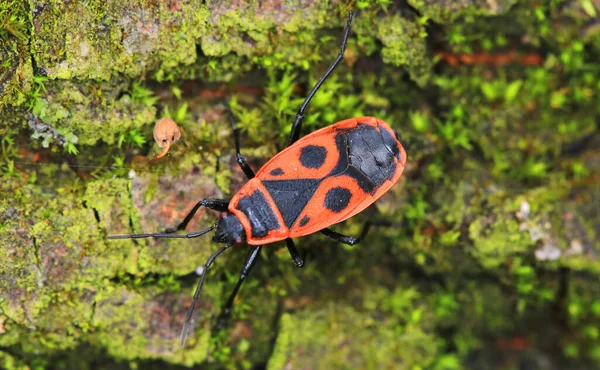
pixel 188 316
pixel 163 235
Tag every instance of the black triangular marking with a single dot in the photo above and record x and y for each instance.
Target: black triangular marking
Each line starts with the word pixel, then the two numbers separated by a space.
pixel 291 196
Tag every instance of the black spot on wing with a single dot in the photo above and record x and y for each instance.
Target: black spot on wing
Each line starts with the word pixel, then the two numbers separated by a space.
pixel 259 213
pixel 313 156
pixel 277 172
pixel 304 221
pixel 337 199
pixel 291 196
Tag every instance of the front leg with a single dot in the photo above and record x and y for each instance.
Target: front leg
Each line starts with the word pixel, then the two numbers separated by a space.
pixel 236 137
pixel 297 125
pixel 210 203
pixel 248 265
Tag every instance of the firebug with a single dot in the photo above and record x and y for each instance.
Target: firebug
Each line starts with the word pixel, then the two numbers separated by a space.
pixel 319 180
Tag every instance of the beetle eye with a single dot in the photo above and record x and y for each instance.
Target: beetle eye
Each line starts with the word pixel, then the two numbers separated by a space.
pixel 238 240
pixel 222 215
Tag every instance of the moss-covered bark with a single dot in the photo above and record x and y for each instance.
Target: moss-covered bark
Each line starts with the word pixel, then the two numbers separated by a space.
pixel 491 254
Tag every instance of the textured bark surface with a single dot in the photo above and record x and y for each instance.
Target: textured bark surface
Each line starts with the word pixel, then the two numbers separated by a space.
pixel 490 258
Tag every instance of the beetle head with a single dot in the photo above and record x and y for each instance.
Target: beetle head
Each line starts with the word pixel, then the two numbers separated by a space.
pixel 229 230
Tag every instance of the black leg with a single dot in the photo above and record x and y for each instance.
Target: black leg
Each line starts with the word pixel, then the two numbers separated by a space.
pixel 188 317
pixel 344 239
pixel 297 125
pixel 163 235
pixel 211 203
pixel 294 252
pixel 236 136
pixel 250 262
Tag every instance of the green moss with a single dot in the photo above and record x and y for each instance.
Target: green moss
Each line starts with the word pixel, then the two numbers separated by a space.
pixel 496 242
pixel 404 45
pixel 491 233
pixel 16 79
pixel 98 40
pixel 143 327
pixel 442 11
pixel 9 362
pixel 16 72
pixel 343 338
pixel 67 294
pixel 92 112
pixel 582 309
pixel 49 239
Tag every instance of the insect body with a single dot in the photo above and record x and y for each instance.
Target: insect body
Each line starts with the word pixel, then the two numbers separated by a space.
pixel 322 179
pixel 319 180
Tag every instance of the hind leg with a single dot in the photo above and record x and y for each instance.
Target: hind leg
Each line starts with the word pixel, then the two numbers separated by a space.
pixel 344 239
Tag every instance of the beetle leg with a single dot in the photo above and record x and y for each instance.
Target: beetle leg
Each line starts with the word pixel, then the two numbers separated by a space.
pixel 294 252
pixel 163 235
pixel 297 125
pixel 344 239
pixel 250 262
pixel 188 317
pixel 236 137
pixel 211 203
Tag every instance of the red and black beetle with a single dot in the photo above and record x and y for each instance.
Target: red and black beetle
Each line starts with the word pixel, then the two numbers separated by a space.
pixel 324 178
